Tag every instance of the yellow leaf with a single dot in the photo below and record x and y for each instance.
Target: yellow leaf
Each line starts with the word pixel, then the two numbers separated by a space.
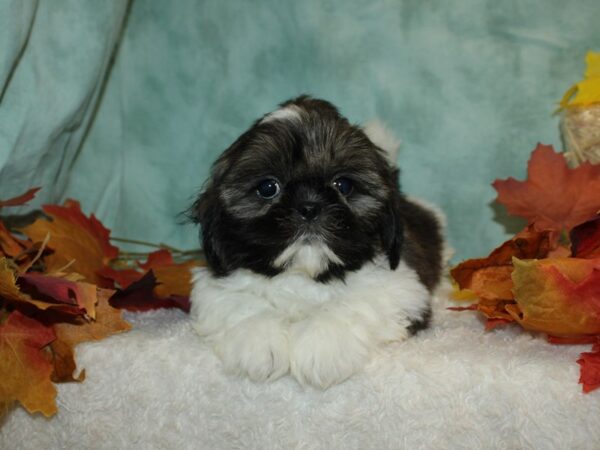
pixel 587 91
pixel 559 296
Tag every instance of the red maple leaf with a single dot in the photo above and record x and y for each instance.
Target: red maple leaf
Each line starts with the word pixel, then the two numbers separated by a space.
pixel 554 196
pixel 590 369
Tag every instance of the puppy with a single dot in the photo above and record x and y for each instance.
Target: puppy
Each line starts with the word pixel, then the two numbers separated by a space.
pixel 315 257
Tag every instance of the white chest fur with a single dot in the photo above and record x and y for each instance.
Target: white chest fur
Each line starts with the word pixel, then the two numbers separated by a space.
pixel 321 332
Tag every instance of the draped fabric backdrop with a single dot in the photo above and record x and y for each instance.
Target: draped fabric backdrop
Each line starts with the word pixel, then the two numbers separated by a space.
pixel 470 87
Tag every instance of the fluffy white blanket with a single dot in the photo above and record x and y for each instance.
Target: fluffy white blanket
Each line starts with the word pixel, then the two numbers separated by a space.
pixel 452 386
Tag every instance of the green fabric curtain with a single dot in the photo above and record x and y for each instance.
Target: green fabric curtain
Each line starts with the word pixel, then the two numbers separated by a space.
pixel 469 86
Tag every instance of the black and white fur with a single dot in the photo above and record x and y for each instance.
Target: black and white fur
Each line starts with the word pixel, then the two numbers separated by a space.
pixel 312 281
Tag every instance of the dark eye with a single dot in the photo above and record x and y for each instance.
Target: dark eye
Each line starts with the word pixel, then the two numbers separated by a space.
pixel 268 188
pixel 343 185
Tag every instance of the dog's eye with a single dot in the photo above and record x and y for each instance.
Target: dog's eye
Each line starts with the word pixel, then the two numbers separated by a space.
pixel 268 188
pixel 343 185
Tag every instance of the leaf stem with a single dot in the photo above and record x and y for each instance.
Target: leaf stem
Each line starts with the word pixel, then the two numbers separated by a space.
pixel 147 244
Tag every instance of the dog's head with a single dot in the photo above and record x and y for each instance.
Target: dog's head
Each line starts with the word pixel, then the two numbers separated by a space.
pixel 301 190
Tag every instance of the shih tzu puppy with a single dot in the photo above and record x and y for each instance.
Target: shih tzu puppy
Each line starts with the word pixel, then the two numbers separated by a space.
pixel 315 257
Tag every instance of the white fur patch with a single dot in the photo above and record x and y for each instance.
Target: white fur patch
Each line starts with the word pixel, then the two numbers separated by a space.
pixel 291 112
pixel 320 332
pixel 383 138
pixel 311 258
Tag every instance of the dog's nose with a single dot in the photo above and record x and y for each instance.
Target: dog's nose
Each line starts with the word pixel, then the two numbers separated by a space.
pixel 309 210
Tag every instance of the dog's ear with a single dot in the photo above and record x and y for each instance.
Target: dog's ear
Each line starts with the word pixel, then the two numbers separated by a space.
pixel 392 230
pixel 206 211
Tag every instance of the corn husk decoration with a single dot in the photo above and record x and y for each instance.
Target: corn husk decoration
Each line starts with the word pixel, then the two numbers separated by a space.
pixel 580 122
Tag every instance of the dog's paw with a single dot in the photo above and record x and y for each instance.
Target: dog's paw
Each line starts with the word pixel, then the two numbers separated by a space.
pixel 326 352
pixel 257 347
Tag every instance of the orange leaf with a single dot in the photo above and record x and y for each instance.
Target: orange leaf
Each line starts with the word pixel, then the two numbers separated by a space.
pixel 175 279
pixel 108 321
pixel 74 237
pixel 25 369
pixel 490 277
pixel 9 245
pixel 554 195
pixel 560 296
pixel 21 199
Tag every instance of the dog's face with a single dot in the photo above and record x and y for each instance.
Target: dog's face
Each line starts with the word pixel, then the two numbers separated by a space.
pixel 301 190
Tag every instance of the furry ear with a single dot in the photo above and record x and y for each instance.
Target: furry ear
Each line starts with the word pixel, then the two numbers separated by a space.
pixel 206 211
pixel 392 232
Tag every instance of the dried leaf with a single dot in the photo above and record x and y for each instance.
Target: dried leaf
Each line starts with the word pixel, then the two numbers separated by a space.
pixel 141 296
pixel 554 195
pixel 119 278
pixel 590 369
pixel 74 237
pixel 62 290
pixel 158 258
pixel 25 369
pixel 11 292
pixel 560 297
pixel 489 278
pixel 173 282
pixel 108 321
pixel 21 199
pixel 9 245
pixel 585 239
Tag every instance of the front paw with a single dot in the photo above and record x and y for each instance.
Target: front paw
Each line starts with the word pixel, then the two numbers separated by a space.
pixel 326 352
pixel 256 347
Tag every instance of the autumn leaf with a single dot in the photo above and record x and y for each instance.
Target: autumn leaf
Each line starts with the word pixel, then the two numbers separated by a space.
pixel 109 321
pixel 9 245
pixel 126 277
pixel 587 91
pixel 554 195
pixel 585 239
pixel 141 296
pixel 560 297
pixel 119 278
pixel 590 369
pixel 489 279
pixel 11 292
pixel 62 290
pixel 21 199
pixel 25 369
pixel 76 239
pixel 171 285
pixel 159 258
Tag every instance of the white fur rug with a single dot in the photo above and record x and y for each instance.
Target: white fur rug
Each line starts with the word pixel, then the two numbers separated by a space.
pixel 453 386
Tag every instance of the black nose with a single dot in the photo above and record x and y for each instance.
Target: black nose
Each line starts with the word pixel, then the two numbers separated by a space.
pixel 309 210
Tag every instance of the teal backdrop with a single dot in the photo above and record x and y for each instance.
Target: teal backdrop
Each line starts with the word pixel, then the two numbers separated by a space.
pixel 124 106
